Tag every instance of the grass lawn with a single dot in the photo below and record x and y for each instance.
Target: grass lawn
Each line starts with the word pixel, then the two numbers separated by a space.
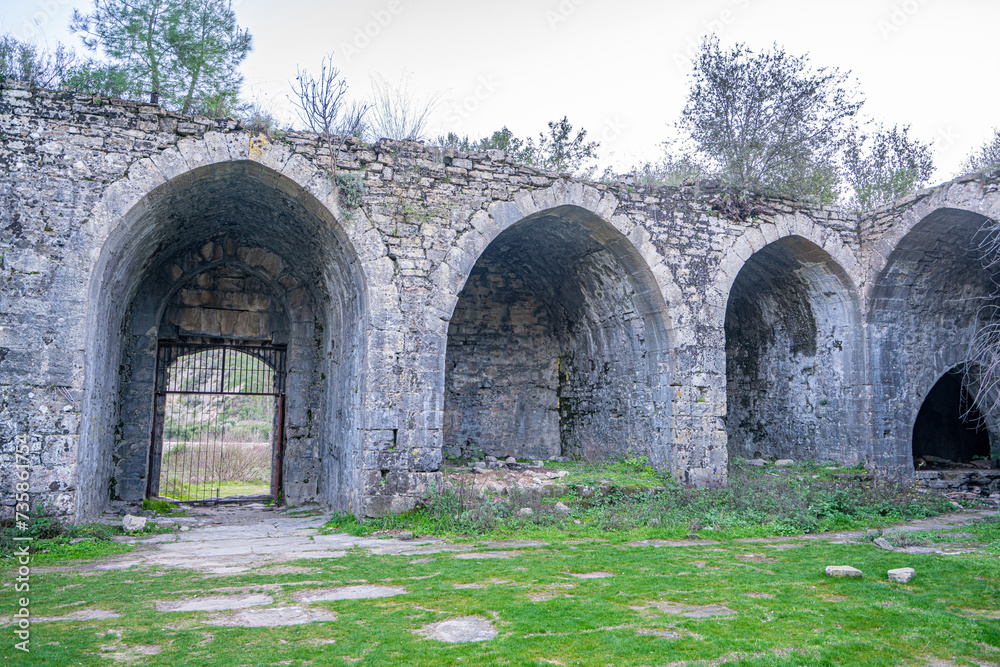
pixel 721 599
pixel 785 610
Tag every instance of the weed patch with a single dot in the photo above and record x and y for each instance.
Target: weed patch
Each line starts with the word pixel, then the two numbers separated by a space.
pixel 631 500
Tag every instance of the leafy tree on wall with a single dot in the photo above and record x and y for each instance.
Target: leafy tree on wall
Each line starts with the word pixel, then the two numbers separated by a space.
pixel 985 157
pixel 207 46
pixel 885 166
pixel 184 53
pixel 769 122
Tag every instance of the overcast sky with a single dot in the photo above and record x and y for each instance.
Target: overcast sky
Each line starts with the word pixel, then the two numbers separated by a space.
pixel 616 67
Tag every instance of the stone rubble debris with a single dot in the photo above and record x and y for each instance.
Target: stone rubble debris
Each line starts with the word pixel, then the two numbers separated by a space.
pixel 132 523
pixel 883 543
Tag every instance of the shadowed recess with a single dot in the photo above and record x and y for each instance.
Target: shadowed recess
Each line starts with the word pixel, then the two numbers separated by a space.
pixel 559 345
pixel 948 425
pixel 791 345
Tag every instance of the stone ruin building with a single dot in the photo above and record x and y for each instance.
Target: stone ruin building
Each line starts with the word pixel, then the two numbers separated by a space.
pixel 443 303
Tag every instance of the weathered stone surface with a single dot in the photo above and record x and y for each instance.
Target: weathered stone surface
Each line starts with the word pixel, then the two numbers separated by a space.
pixel 901 575
pixel 88 614
pixel 133 523
pixel 843 571
pixel 362 592
pixel 215 603
pixel 883 543
pixel 272 617
pixel 460 630
pixel 467 305
pixel 692 610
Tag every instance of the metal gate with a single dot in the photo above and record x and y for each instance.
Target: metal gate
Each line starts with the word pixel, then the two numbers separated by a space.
pixel 218 413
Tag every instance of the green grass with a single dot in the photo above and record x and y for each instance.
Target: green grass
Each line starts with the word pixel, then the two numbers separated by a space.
pixel 787 612
pixel 51 540
pixel 987 531
pixel 946 612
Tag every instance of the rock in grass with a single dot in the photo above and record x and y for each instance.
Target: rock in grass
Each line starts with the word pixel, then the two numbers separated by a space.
pixel 526 511
pixel 842 571
pixel 757 463
pixel 901 575
pixel 406 535
pixel 883 543
pixel 132 523
pixel 562 508
pixel 781 463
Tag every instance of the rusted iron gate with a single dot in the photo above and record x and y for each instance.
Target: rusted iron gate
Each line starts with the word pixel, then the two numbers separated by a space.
pixel 196 387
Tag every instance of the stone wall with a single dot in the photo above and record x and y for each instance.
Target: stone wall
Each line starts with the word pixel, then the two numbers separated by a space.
pixel 458 301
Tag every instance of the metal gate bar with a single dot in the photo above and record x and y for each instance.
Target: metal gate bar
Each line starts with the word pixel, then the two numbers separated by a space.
pixel 206 396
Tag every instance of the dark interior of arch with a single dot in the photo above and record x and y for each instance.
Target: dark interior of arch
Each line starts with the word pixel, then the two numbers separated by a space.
pixel 558 346
pixel 790 327
pixel 230 252
pixel 925 309
pixel 948 425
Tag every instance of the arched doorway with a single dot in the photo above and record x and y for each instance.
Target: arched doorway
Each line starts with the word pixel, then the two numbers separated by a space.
pixel 792 356
pixel 558 346
pixel 228 254
pixel 949 426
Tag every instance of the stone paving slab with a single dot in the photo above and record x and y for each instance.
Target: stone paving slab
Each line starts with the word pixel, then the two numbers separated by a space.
pixel 348 593
pixel 78 615
pixel 460 630
pixel 484 555
pixel 693 610
pixel 672 543
pixel 272 617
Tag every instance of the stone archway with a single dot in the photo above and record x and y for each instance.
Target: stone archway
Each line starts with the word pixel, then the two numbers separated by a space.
pixel 246 222
pixel 559 344
pixel 924 310
pixel 793 355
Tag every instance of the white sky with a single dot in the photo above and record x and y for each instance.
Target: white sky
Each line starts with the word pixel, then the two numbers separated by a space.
pixel 615 67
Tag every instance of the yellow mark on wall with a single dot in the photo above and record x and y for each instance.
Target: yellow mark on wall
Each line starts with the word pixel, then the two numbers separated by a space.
pixel 258 146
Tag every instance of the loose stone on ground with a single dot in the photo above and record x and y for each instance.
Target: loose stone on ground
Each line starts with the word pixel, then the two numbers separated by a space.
pixel 884 544
pixel 901 575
